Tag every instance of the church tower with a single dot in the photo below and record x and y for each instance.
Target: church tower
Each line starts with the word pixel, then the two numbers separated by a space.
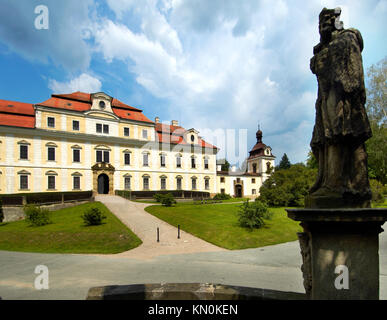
pixel 261 159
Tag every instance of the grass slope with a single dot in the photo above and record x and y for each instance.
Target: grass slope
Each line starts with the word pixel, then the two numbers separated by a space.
pixel 68 234
pixel 218 224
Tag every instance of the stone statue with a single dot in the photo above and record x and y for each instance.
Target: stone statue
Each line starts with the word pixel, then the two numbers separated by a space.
pixel 342 125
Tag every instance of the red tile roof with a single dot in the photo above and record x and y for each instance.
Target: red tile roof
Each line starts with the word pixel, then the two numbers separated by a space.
pixel 16 120
pixel 175 134
pixel 131 115
pixel 15 107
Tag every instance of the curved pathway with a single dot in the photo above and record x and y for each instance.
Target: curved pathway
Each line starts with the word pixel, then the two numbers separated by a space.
pixel 145 225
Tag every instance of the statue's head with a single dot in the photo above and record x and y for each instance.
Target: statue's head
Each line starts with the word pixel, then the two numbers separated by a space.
pixel 329 21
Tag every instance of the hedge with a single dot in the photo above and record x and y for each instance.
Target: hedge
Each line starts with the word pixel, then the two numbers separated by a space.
pixel 44 197
pixel 149 194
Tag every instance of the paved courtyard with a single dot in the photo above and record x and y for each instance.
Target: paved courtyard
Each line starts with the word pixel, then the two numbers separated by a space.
pixel 71 275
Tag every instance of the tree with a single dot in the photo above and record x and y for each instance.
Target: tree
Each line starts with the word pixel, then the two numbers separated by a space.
pixel 377 114
pixel 225 164
pixel 284 163
pixel 288 187
pixel 311 161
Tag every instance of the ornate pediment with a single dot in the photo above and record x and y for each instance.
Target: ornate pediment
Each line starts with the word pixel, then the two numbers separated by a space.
pixel 102 166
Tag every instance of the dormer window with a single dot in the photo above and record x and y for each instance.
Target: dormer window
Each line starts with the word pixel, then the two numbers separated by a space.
pixel 50 122
pixel 102 104
pixel 192 138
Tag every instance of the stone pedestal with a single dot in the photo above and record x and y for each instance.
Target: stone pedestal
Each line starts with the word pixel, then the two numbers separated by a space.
pixel 339 245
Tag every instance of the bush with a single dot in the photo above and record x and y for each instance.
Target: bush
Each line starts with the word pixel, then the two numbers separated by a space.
pixel 36 216
pixel 377 191
pixel 158 197
pixel 1 211
pixel 252 215
pixel 221 196
pixel 93 217
pixel 167 200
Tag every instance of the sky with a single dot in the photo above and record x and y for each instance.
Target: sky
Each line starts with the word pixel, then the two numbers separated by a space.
pixel 222 67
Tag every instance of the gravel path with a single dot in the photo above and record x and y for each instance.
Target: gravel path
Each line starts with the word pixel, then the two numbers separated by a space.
pixel 145 225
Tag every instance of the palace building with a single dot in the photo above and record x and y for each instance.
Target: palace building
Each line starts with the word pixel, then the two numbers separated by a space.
pixel 82 141
pixel 260 164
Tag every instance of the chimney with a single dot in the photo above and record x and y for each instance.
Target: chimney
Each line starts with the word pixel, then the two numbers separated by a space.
pixel 233 168
pixel 157 120
pixel 174 123
pixel 218 167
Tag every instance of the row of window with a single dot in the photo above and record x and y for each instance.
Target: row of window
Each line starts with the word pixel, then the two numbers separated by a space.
pixel 104 156
pixel 253 191
pixel 99 127
pixel 163 183
pixel 238 180
pixel 51 182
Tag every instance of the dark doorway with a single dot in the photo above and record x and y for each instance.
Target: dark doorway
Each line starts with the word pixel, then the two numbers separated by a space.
pixel 238 191
pixel 103 184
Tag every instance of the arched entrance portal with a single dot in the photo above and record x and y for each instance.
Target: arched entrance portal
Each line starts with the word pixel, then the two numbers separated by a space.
pixel 238 191
pixel 103 184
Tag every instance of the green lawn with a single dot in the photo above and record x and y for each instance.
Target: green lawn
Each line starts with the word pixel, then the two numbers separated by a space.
pixel 68 234
pixel 218 224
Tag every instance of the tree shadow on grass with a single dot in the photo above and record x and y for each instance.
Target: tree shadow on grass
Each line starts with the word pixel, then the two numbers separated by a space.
pixel 4 224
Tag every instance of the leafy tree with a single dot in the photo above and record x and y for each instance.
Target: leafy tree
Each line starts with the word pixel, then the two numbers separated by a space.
pixel 288 187
pixel 311 161
pixel 284 163
pixel 376 109
pixel 225 164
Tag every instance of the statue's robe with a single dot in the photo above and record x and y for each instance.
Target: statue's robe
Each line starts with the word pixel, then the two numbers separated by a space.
pixel 342 125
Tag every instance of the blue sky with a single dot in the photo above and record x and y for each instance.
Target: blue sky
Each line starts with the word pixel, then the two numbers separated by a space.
pixel 220 66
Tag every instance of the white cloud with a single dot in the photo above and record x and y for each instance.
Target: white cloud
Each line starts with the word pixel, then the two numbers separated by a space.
pixel 84 82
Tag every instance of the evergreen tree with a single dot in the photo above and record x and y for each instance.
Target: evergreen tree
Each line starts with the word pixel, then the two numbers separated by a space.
pixel 284 163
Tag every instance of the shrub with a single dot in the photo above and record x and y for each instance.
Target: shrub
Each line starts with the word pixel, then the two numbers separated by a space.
pixel 377 191
pixel 221 196
pixel 251 215
pixel 158 197
pixel 167 200
pixel 36 216
pixel 93 217
pixel 1 211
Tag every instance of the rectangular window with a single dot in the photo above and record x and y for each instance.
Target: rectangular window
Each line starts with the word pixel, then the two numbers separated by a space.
pixel 50 122
pixel 98 128
pixel 193 184
pixel 23 182
pixel 75 125
pixel 127 183
pixel 145 134
pixel 178 183
pixel 193 164
pixel 222 179
pixel 254 191
pixel 126 132
pixel 76 183
pixel 205 163
pixel 106 156
pixel 146 183
pixel 51 154
pixel 99 155
pixel 207 184
pixel 178 162
pixel 127 159
pixel 163 183
pixel 51 182
pixel 76 155
pixel 162 160
pixel 223 191
pixel 254 167
pixel 238 180
pixel 253 180
pixel 145 159
pixel 106 128
pixel 24 152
